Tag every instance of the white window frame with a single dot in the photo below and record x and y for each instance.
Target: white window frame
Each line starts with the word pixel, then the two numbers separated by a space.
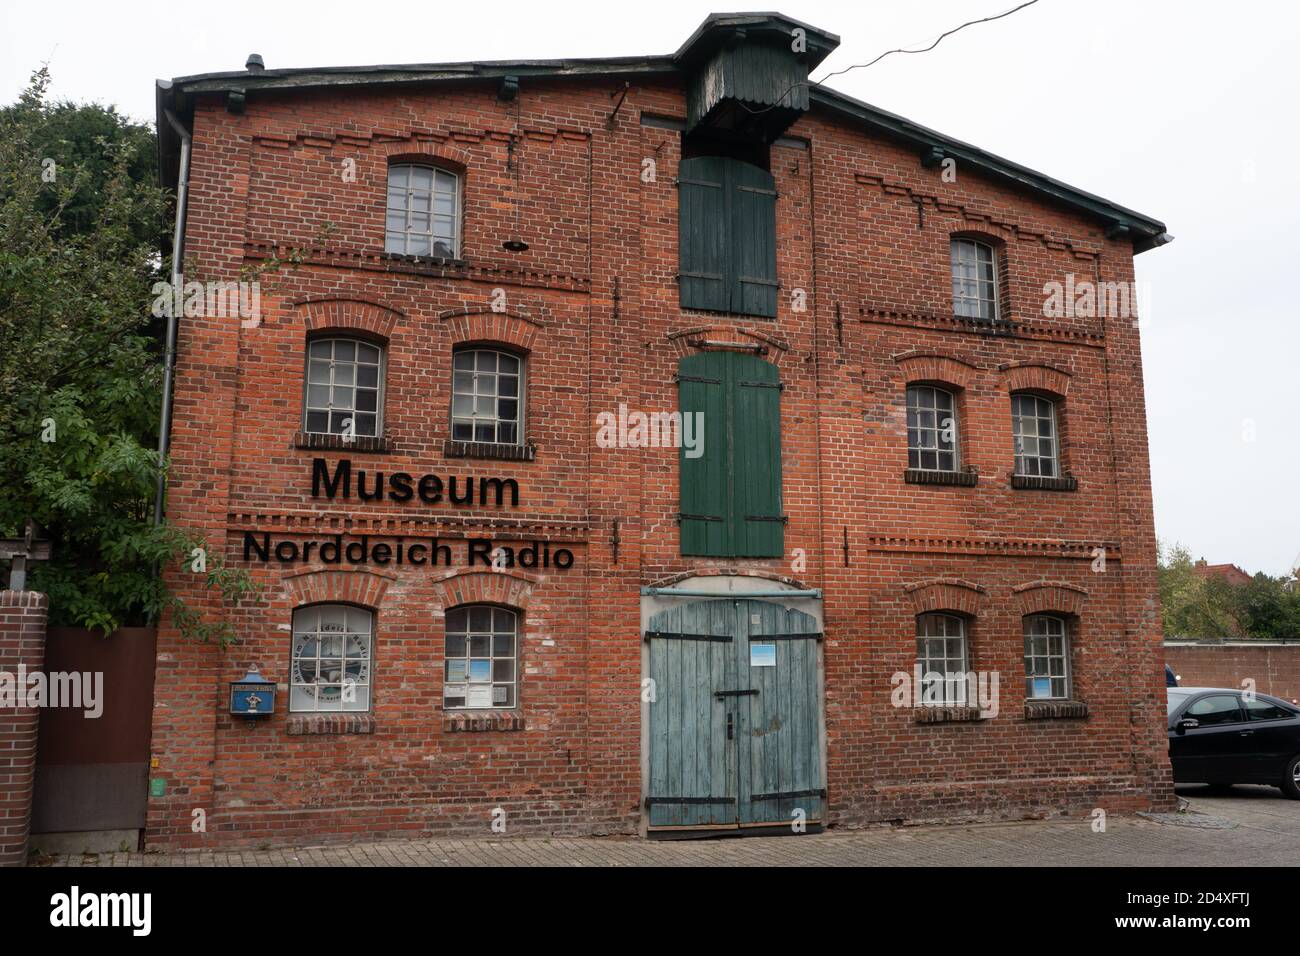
pixel 944 629
pixel 1021 438
pixel 347 410
pixel 1042 630
pixel 480 392
pixel 313 625
pixel 402 233
pixel 974 268
pixel 459 687
pixel 934 431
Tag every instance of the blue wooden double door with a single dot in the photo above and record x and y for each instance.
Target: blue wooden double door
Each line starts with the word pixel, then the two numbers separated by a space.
pixel 735 720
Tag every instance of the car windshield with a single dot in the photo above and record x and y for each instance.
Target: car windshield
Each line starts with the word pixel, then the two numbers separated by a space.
pixel 1175 701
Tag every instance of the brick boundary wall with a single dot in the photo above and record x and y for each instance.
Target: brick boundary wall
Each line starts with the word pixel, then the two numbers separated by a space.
pixel 22 641
pixel 1275 668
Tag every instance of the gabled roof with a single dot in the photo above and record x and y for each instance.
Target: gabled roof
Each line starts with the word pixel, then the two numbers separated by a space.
pixel 178 96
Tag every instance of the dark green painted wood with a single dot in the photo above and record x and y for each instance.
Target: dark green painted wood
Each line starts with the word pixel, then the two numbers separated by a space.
pixel 731 495
pixel 775 746
pixel 753 235
pixel 757 89
pixel 757 516
pixel 705 492
pixel 727 237
pixel 704 273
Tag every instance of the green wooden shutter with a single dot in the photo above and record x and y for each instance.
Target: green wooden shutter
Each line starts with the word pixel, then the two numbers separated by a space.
pixel 757 519
pixel 704 480
pixel 753 239
pixel 726 230
pixel 731 494
pixel 703 234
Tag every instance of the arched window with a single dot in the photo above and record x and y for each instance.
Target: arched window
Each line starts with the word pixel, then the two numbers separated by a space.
pixel 931 429
pixel 329 667
pixel 942 655
pixel 345 379
pixel 423 211
pixel 487 403
pixel 974 280
pixel 481 658
pixel 1037 443
pixel 1047 657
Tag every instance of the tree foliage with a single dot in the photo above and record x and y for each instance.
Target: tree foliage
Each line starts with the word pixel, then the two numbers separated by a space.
pixel 1265 608
pixel 81 224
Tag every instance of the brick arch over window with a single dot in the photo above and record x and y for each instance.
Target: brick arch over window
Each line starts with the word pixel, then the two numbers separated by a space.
pixel 1040 597
pixel 766 346
pixel 1037 378
pixel 316 585
pixel 511 589
pixel 481 324
pixel 431 154
pixel 945 594
pixel 349 314
pixel 726 571
pixel 935 367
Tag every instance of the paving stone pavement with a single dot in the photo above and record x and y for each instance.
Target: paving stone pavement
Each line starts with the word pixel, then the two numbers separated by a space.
pixel 1255 826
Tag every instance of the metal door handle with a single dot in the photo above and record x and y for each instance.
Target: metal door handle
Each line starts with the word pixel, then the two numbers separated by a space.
pixel 730 727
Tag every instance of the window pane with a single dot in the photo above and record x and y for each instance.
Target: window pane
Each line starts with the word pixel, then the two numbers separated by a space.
pixel 1216 709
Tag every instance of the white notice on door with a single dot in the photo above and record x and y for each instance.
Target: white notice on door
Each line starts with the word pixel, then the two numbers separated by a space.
pixel 762 655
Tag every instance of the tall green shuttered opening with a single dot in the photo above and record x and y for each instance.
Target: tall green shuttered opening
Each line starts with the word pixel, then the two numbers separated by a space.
pixel 731 493
pixel 727 236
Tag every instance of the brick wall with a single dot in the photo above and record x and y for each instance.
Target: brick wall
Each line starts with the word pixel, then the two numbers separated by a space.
pixel 22 643
pixel 864 228
pixel 1275 668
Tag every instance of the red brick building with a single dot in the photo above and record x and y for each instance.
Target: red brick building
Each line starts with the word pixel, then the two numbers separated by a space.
pixel 497 592
pixel 1227 572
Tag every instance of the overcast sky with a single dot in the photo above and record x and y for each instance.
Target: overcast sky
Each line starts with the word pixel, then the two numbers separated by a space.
pixel 1185 111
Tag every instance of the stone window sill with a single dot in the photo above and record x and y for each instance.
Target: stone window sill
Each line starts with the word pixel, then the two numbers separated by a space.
pixel 966 478
pixel 480 721
pixel 1054 709
pixel 317 442
pixel 477 449
pixel 302 725
pixel 947 715
pixel 1041 483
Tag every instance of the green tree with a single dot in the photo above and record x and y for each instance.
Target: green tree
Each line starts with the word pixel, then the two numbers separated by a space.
pixel 81 224
pixel 1268 609
pixel 1193 606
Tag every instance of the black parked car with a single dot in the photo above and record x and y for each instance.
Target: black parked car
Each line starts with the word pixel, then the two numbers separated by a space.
pixel 1218 737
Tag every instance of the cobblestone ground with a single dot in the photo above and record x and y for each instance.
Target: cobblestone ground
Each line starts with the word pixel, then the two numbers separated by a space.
pixel 1250 826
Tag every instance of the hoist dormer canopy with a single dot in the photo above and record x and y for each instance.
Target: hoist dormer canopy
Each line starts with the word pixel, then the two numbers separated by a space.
pixel 747 74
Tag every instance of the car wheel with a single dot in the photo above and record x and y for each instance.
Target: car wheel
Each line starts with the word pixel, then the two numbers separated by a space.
pixel 1291 782
pixel 1218 787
